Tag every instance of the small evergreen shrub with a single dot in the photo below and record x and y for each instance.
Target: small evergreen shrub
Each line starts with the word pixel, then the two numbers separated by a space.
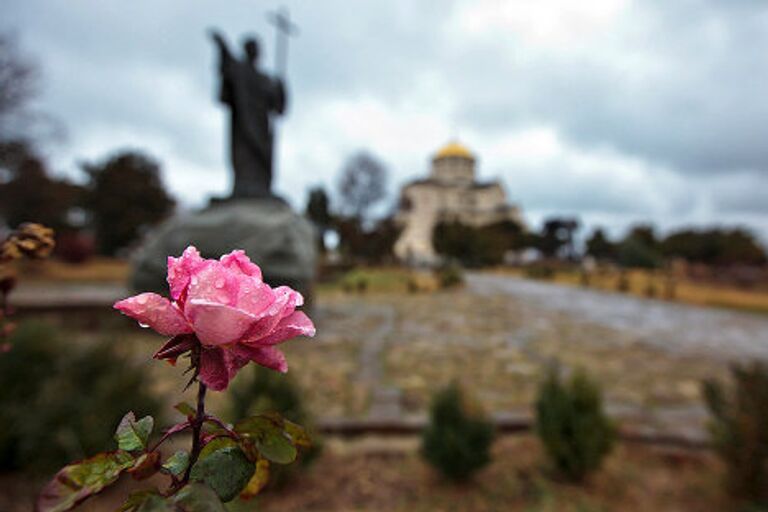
pixel 650 289
pixel 540 271
pixel 622 284
pixel 584 278
pixel 457 441
pixel 572 426
pixel 262 390
pixel 450 275
pixel 739 430
pixel 62 396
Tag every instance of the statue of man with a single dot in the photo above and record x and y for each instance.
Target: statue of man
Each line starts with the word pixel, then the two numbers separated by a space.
pixel 254 99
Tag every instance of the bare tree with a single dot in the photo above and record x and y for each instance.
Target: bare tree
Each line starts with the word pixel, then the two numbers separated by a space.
pixel 18 86
pixel 362 184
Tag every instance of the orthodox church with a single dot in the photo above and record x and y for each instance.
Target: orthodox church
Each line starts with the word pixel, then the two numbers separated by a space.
pixel 450 193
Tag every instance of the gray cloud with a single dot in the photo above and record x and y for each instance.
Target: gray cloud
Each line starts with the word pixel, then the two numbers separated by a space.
pixel 673 93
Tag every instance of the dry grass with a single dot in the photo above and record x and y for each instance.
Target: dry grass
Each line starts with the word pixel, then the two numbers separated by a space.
pixel 382 280
pixel 643 283
pixel 97 270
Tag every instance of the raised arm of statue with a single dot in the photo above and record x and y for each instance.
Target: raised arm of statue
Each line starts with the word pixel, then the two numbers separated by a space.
pixel 225 64
pixel 224 54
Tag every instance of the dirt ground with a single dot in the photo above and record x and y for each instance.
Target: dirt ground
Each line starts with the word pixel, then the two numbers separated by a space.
pixel 376 475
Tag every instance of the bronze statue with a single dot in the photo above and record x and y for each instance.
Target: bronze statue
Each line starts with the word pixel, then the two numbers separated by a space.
pixel 254 99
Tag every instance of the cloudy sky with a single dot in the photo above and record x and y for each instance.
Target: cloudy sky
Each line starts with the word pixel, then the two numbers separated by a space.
pixel 613 110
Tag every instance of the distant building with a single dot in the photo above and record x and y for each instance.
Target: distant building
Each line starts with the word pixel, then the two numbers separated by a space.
pixel 450 193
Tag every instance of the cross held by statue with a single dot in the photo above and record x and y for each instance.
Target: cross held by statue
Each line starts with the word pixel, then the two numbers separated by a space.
pixel 285 28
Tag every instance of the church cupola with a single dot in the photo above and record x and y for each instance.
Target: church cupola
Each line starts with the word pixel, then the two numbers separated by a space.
pixel 453 164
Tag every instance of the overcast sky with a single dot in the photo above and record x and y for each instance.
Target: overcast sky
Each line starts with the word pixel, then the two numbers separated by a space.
pixel 612 110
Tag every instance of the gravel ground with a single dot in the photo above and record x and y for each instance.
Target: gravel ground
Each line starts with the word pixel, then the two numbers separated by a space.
pixel 670 326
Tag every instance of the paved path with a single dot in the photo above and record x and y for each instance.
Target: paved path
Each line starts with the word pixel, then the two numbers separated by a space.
pixel 671 326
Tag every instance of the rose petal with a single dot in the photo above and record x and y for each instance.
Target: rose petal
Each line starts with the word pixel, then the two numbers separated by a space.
pixel 237 260
pixel 286 300
pixel 155 311
pixel 215 283
pixel 268 357
pixel 254 297
pixel 213 369
pixel 180 270
pixel 296 324
pixel 218 366
pixel 294 299
pixel 217 324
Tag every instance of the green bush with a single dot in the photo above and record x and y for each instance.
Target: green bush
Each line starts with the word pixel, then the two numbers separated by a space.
pixel 572 426
pixel 622 284
pixel 64 396
pixel 739 430
pixel 457 441
pixel 450 275
pixel 540 271
pixel 262 390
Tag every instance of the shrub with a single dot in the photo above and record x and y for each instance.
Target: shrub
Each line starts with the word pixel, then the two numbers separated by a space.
pixel 584 278
pixel 572 426
pixel 450 275
pixel 457 441
pixel 540 271
pixel 622 284
pixel 263 390
pixel 64 397
pixel 739 430
pixel 650 290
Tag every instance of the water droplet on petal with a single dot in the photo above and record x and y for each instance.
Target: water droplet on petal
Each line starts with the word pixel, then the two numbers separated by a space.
pixel 219 283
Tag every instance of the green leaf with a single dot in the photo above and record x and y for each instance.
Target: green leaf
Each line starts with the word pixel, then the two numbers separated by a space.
pixel 268 432
pixel 197 497
pixel 177 463
pixel 216 444
pixel 275 447
pixel 298 435
pixel 132 435
pixel 226 470
pixel 77 482
pixel 146 501
pixel 185 408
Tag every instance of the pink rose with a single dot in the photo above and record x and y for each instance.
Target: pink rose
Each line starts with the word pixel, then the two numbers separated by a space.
pixel 226 308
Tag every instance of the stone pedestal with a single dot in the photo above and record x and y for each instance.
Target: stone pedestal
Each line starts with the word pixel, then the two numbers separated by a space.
pixel 279 240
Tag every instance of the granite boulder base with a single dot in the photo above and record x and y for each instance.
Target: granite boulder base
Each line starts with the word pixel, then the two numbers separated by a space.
pixel 279 240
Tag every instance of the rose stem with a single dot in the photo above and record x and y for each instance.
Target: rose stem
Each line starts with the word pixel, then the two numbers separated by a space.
pixel 197 425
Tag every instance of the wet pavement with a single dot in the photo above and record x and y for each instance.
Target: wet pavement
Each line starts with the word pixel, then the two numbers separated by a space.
pixel 670 326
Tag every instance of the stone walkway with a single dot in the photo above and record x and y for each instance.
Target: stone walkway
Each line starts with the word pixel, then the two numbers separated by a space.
pixel 382 356
pixel 674 327
pixel 385 400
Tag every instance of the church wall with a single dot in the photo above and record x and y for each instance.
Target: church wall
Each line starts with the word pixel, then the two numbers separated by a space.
pixel 453 171
pixel 450 194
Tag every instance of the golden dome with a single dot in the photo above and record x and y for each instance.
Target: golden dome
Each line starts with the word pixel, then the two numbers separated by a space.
pixel 454 149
